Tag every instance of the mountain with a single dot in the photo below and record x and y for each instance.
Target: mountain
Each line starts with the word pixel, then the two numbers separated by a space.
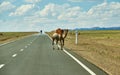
pixel 99 28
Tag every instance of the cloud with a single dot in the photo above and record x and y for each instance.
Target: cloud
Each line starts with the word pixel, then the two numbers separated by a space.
pixel 65 16
pixel 105 10
pixel 6 6
pixel 75 0
pixel 105 14
pixel 33 1
pixel 18 25
pixel 70 13
pixel 60 12
pixel 22 10
pixel 52 10
pixel 83 0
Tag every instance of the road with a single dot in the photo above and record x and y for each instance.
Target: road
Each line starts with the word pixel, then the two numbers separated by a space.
pixel 34 56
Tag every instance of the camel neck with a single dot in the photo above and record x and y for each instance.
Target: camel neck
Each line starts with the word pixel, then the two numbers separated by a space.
pixel 65 34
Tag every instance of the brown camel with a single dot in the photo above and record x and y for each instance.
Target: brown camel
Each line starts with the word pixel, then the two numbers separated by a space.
pixel 59 35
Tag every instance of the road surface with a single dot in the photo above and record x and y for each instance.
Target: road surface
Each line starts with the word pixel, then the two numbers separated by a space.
pixel 34 56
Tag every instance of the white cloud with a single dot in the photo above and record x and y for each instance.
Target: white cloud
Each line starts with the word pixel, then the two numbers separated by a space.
pixel 105 10
pixel 61 12
pixel 66 16
pixel 17 25
pixel 75 0
pixel 105 14
pixel 83 0
pixel 71 12
pixel 53 9
pixel 39 20
pixel 33 1
pixel 22 10
pixel 5 6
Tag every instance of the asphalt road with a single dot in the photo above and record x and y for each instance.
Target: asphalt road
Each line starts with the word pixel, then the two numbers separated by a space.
pixel 34 56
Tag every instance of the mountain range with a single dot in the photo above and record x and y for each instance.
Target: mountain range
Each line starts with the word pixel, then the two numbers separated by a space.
pixel 99 28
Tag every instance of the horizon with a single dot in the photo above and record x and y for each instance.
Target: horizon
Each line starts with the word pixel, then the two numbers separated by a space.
pixel 48 15
pixel 86 28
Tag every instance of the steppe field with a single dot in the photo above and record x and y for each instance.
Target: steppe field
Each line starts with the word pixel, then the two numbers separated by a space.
pixel 101 48
pixel 11 36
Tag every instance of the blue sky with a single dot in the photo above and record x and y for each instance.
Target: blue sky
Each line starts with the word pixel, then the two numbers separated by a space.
pixel 34 15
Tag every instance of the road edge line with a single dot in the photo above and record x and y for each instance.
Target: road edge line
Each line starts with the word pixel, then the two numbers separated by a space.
pixel 2 65
pixel 79 62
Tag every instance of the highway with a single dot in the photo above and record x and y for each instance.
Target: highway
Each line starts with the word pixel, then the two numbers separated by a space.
pixel 34 55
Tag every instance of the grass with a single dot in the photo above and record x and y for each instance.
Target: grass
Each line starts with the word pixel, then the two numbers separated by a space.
pixel 9 36
pixel 99 47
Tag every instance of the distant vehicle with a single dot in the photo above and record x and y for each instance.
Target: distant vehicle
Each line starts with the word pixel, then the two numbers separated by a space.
pixel 41 31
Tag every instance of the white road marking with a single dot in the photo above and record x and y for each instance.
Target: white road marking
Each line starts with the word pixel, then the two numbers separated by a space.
pixel 80 63
pixel 26 46
pixel 14 55
pixel 21 50
pixel 2 65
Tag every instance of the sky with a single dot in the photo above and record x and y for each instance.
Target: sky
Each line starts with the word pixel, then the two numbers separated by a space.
pixel 48 15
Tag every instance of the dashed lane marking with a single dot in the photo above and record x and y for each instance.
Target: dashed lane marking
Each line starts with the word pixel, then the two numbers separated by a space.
pixel 14 55
pixel 21 50
pixel 2 65
pixel 26 46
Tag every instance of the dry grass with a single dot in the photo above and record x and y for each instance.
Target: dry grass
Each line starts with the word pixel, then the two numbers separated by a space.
pixel 10 36
pixel 99 47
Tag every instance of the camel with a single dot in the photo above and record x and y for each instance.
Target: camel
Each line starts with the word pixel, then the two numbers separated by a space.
pixel 59 35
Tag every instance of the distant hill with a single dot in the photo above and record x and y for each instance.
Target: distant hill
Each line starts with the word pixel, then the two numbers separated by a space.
pixel 99 28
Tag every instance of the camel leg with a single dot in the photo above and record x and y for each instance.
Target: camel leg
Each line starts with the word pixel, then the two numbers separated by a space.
pixel 57 43
pixel 53 43
pixel 61 45
pixel 63 42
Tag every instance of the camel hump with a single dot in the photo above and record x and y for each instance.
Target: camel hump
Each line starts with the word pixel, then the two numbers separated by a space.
pixel 59 31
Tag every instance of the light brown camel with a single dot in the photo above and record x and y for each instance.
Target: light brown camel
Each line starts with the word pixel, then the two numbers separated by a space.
pixel 59 35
